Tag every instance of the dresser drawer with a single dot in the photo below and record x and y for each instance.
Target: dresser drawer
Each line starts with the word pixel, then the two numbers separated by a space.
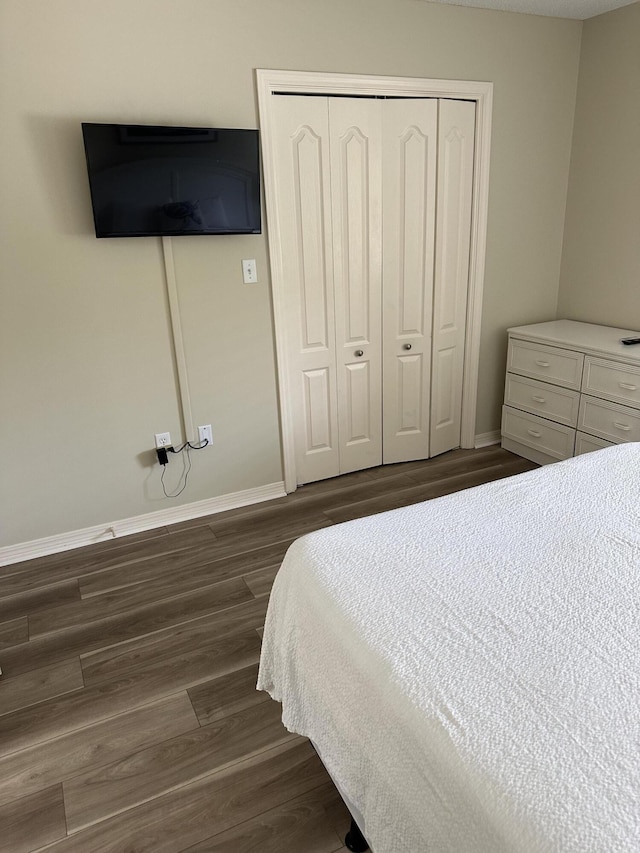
pixel 608 420
pixel 540 434
pixel 586 443
pixel 539 398
pixel 617 382
pixel 551 364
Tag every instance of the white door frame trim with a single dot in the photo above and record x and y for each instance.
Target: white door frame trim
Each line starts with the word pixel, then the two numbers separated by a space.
pixel 310 82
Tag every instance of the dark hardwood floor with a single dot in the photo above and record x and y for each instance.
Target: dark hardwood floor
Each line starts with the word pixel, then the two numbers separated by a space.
pixel 129 719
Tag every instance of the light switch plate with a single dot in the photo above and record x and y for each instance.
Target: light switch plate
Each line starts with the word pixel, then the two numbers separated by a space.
pixel 249 272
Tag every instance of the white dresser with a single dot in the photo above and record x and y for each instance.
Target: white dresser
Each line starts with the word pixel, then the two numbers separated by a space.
pixel 570 388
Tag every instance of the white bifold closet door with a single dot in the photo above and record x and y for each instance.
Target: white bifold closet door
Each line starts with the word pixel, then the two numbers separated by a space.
pixel 374 212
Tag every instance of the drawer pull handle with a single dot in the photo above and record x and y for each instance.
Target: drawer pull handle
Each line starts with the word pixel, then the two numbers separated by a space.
pixel 628 386
pixel 624 427
pixel 534 433
pixel 542 363
pixel 538 399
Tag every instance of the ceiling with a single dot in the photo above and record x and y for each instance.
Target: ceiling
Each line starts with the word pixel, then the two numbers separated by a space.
pixel 578 9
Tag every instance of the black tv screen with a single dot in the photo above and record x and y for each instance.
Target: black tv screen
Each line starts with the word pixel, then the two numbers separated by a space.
pixel 167 181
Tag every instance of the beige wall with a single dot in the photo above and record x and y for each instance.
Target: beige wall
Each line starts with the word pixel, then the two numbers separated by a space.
pixel 86 366
pixel 600 279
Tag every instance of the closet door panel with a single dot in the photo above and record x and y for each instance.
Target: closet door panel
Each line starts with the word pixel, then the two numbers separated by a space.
pixel 374 213
pixel 317 407
pixel 301 144
pixel 354 126
pixel 456 139
pixel 357 418
pixel 409 131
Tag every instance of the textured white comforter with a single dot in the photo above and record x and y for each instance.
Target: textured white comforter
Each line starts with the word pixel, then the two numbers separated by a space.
pixel 469 667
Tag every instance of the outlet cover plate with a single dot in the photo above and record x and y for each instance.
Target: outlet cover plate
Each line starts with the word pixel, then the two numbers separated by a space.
pixel 163 439
pixel 205 434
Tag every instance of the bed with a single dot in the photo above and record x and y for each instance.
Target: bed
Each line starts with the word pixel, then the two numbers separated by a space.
pixel 468 668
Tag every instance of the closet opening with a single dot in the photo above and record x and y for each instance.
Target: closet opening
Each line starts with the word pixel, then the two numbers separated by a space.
pixel 376 195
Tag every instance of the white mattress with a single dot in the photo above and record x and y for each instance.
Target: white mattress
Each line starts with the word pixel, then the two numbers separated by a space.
pixel 469 666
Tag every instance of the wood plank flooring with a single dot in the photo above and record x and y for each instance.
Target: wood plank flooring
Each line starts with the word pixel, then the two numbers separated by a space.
pixel 129 719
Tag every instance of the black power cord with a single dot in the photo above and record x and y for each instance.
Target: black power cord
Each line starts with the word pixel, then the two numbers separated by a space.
pixel 163 459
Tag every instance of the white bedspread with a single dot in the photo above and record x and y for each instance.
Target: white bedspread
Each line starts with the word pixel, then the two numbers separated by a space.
pixel 469 666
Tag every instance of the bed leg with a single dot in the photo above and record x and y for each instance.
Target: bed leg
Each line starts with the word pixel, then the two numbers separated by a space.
pixel 355 840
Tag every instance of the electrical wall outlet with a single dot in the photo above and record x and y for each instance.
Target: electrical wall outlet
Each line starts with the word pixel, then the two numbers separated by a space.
pixel 163 439
pixel 249 272
pixel 205 434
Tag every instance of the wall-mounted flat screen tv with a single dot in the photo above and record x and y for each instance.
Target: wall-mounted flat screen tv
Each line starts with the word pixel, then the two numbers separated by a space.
pixel 169 181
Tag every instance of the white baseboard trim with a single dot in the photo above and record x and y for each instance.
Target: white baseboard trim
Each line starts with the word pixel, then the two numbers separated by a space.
pixel 89 535
pixel 486 439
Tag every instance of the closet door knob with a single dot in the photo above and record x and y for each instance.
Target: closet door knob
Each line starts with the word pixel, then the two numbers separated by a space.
pixel 406 346
pixel 359 353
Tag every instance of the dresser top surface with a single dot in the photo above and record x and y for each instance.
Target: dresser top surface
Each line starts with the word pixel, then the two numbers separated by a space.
pixel 586 337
